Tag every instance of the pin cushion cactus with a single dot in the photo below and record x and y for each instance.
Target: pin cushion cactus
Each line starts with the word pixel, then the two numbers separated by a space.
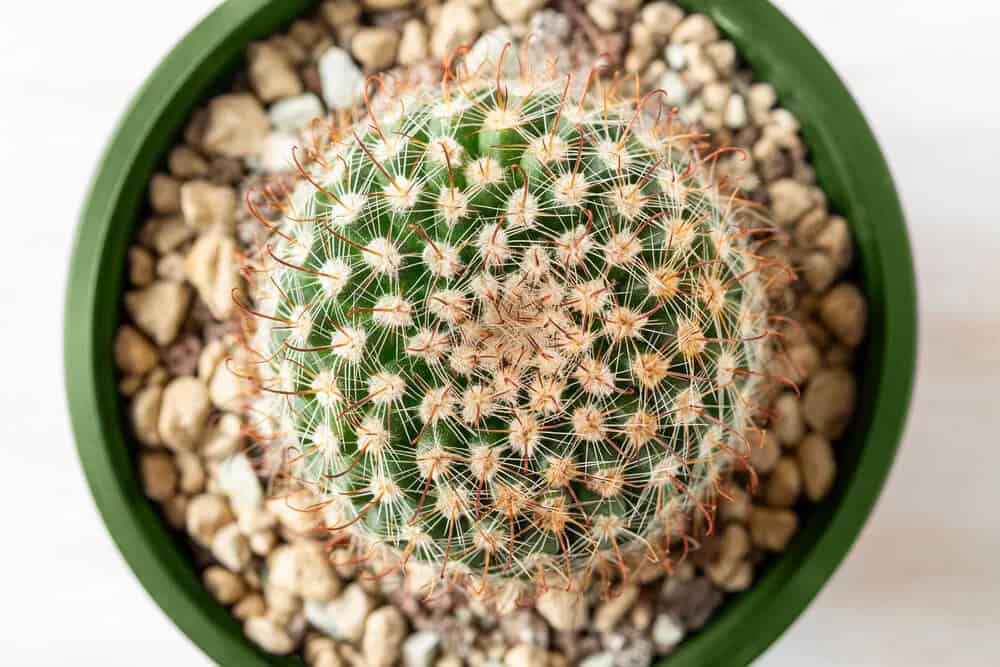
pixel 511 326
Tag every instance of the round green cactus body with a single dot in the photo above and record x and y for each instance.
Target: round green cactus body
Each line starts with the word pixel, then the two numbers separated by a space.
pixel 510 327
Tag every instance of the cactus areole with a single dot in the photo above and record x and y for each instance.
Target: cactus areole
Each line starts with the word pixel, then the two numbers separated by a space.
pixel 511 326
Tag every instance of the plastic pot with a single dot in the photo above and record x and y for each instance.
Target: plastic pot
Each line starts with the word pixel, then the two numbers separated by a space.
pixel 849 167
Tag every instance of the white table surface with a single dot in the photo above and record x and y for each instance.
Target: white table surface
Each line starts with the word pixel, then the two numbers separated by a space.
pixel 920 588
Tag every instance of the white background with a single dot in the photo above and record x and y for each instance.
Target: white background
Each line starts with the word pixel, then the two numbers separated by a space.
pixel 920 588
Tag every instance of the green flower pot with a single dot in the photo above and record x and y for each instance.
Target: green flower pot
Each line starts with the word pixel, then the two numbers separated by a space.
pixel 849 167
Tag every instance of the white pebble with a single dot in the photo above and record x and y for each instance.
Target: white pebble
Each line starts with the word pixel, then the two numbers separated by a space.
pixel 675 87
pixel 736 112
pixel 340 79
pixel 295 113
pixel 420 649
pixel 667 633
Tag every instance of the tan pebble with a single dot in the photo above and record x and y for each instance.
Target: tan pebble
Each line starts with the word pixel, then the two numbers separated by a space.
pixel 134 354
pixel 661 18
pixel 338 13
pixel 734 546
pixel 810 225
pixel 282 605
pixel 788 425
pixel 739 579
pixel 806 361
pixel 212 267
pixel 192 472
pixel 642 615
pixel 556 659
pixel 835 240
pixel 517 11
pixel 316 645
pixel 271 73
pixel 222 438
pixel 603 16
pixel 566 611
pixel 790 200
pixel 695 28
pixel 654 72
pixel 819 271
pixel 184 162
pixel 145 414
pixel 249 606
pixel 844 311
pixel 715 95
pixel 458 24
pixel 712 120
pixel 449 660
pixel 375 48
pixel 385 630
pixel 736 507
pixel 839 355
pixel 268 635
pixel 488 20
pixel 224 586
pixel 303 568
pixel 610 612
pixel 175 511
pixel 765 452
pixel 815 457
pixel 236 127
pixel 183 413
pixel 230 548
pixel 723 56
pixel 784 486
pixel 141 266
pixel 413 44
pixel 164 194
pixel 642 48
pixel 344 616
pixel 386 5
pixel 262 542
pixel 171 267
pixel 226 389
pixel 129 385
pixel 815 332
pixel 159 475
pixel 772 528
pixel 207 513
pixel 327 659
pixel 165 234
pixel 828 401
pixel 159 309
pixel 761 98
pixel 205 205
pixel 211 356
pixel 296 512
pixel 306 33
pixel 526 655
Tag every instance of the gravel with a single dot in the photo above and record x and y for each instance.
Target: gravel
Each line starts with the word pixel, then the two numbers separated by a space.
pixel 176 350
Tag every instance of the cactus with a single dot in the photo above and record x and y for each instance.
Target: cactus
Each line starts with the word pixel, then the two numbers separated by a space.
pixel 509 326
